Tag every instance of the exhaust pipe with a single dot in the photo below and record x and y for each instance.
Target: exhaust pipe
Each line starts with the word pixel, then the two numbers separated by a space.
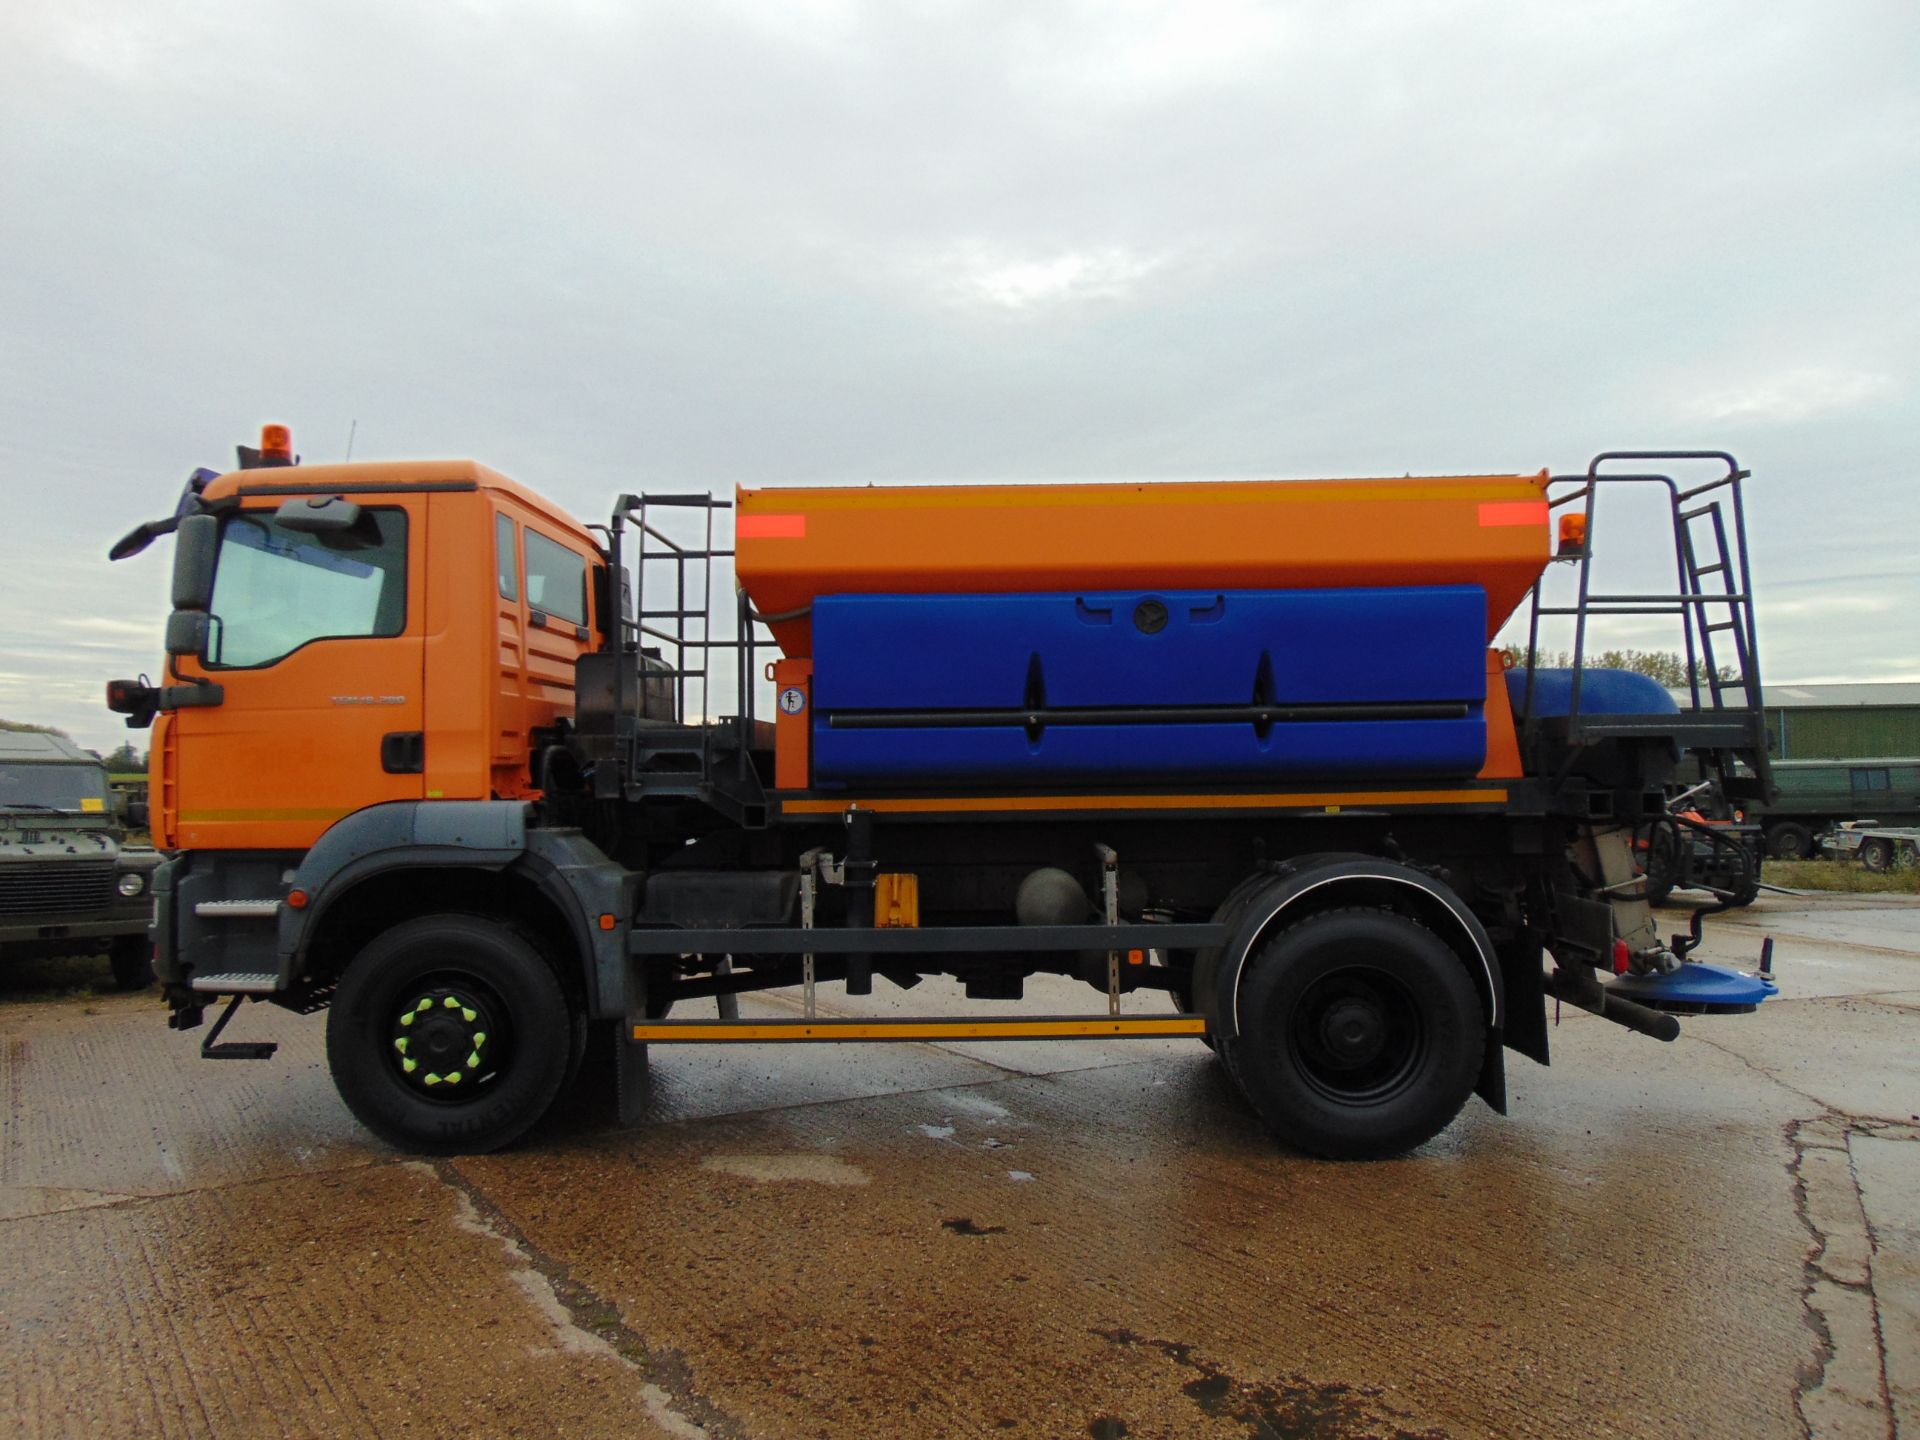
pixel 1579 986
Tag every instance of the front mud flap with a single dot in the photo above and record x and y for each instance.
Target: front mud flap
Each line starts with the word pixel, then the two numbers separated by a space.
pixel 1492 1084
pixel 632 1077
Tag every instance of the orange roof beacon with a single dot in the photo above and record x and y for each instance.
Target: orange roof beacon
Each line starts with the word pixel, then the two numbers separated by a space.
pixel 436 757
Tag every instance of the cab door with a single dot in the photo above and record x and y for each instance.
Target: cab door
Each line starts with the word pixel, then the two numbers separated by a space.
pixel 316 642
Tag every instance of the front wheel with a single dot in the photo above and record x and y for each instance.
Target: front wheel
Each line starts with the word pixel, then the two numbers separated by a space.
pixel 1361 1034
pixel 450 1035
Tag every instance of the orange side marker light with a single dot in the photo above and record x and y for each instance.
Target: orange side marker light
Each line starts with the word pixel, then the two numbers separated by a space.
pixel 770 527
pixel 1513 512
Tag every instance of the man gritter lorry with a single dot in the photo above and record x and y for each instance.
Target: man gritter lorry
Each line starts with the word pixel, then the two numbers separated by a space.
pixel 436 758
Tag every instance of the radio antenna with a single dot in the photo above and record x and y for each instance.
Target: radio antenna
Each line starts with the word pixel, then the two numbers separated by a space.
pixel 352 430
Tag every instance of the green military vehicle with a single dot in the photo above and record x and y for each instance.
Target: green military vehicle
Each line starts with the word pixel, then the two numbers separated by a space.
pixel 1815 795
pixel 69 882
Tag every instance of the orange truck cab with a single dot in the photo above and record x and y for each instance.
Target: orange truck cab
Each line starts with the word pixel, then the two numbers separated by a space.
pixel 437 758
pixel 372 634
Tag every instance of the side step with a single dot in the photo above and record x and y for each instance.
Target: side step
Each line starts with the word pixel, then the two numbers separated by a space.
pixel 238 909
pixel 1042 1027
pixel 238 983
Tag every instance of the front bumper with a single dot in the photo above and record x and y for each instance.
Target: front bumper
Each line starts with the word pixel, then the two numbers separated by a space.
pixel 65 935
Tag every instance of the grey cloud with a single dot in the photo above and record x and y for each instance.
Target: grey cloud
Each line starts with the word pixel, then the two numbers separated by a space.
pixel 603 245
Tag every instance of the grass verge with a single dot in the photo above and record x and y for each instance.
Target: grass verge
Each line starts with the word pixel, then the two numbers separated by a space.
pixel 1840 875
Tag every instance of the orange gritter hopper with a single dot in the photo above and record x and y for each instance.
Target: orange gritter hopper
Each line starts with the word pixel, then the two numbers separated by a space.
pixel 795 545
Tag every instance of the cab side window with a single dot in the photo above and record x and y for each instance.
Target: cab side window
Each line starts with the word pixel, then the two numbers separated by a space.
pixel 556 579
pixel 506 556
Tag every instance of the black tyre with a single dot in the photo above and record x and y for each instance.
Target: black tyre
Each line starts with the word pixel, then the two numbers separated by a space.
pixel 131 957
pixel 1877 855
pixel 1361 1034
pixel 1790 841
pixel 450 1035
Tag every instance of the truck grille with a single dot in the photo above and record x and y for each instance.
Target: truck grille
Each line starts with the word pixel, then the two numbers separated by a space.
pixel 59 887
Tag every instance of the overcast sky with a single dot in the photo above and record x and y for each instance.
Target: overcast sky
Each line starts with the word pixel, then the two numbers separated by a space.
pixel 607 245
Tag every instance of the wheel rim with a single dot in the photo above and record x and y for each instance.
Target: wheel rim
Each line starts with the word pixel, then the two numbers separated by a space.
pixel 1876 855
pixel 1358 1036
pixel 449 1038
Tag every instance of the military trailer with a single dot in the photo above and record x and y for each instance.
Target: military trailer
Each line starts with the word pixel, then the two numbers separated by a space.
pixel 70 884
pixel 1815 795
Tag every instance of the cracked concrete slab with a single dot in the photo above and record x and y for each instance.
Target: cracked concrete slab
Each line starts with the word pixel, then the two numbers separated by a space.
pixel 1712 1238
pixel 343 1303
pixel 1888 1164
pixel 1842 1391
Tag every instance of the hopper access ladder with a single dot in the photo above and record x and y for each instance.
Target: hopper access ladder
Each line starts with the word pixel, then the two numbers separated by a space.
pixel 1724 723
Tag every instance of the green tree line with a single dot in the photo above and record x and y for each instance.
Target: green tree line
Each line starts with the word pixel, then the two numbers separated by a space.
pixel 1667 666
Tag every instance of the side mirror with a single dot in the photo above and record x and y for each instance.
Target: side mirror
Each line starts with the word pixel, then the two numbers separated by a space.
pixel 188 632
pixel 193 551
pixel 135 699
pixel 318 515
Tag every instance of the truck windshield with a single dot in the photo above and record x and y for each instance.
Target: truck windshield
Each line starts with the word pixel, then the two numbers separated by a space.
pixel 275 589
pixel 76 788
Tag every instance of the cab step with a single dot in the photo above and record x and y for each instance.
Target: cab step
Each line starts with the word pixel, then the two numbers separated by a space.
pixel 237 983
pixel 237 909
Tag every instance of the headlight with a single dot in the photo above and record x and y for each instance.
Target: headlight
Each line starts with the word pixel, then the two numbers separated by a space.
pixel 132 884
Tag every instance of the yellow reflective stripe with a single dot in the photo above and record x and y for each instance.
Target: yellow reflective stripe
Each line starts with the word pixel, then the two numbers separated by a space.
pixel 1055 1028
pixel 1109 494
pixel 972 804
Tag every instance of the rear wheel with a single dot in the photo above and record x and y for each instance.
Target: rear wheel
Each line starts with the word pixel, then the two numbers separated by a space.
pixel 1877 855
pixel 450 1035
pixel 1361 1034
pixel 1790 841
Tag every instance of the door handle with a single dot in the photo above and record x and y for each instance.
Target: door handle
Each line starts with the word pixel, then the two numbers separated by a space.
pixel 403 752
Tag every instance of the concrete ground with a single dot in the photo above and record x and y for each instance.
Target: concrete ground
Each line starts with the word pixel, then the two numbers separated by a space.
pixel 1720 1237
